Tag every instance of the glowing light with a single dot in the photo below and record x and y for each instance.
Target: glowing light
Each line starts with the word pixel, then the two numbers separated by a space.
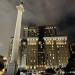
pixel 59 60
pixel 37 65
pixel 46 66
pixel 50 54
pixel 4 58
pixel 30 67
pixel 50 60
pixel 3 70
pixel 34 67
pixel 53 57
pixel 39 42
pixel 25 28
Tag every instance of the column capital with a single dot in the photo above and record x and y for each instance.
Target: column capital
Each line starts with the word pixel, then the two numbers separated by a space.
pixel 20 7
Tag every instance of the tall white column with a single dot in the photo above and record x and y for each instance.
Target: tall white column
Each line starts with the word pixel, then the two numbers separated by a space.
pixel 16 39
pixel 15 47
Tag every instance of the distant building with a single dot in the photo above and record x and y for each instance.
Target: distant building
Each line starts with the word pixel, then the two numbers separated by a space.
pixel 43 48
pixel 50 31
pixel 57 51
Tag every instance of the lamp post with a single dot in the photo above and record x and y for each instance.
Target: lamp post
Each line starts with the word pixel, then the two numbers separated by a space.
pixel 16 40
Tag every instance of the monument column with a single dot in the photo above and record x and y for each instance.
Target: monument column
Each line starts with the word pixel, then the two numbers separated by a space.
pixel 16 40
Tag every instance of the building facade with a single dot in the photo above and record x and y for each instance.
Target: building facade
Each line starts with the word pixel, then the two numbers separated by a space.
pixel 45 48
pixel 57 51
pixel 42 48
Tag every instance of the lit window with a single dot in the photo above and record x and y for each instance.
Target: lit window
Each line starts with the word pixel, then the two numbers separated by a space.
pixel 52 45
pixel 41 46
pixel 50 63
pixel 62 45
pixel 25 27
pixel 59 60
pixel 24 43
pixel 54 27
pixel 10 55
pixel 50 54
pixel 24 55
pixel 57 46
pixel 44 62
pixel 30 67
pixel 34 60
pixel 67 61
pixel 50 60
pixel 31 60
pixel 65 42
pixel 59 63
pixel 34 67
pixel 37 65
pixel 39 42
pixel 49 41
pixel 53 57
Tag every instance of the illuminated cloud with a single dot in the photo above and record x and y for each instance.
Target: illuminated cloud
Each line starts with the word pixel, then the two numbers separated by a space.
pixel 36 12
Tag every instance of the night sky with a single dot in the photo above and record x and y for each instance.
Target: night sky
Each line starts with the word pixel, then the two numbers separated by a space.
pixel 60 13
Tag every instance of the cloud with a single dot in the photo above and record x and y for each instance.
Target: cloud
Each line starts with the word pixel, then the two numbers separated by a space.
pixel 7 24
pixel 43 11
pixel 1 45
pixel 58 12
